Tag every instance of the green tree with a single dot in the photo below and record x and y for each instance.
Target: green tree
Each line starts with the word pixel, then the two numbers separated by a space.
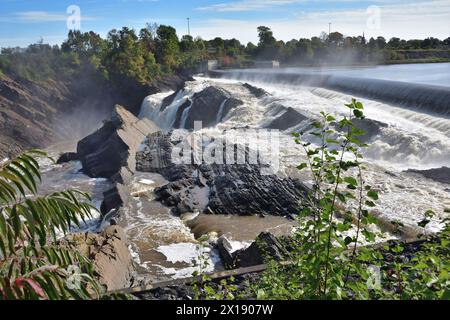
pixel 167 48
pixel 267 46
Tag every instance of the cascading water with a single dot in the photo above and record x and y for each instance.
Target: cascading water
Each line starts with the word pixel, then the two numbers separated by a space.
pixel 407 138
pixel 423 97
pixel 220 114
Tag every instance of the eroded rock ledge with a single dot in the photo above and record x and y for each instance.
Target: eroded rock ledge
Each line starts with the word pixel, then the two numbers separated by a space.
pixel 439 174
pixel 217 188
pixel 113 264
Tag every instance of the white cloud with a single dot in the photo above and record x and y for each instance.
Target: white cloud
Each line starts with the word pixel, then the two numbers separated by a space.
pixel 247 5
pixel 39 17
pixel 420 19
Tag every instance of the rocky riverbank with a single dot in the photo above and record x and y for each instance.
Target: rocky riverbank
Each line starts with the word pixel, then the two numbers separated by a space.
pixel 38 114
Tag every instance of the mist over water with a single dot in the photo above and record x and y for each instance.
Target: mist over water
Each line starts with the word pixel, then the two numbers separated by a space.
pixel 427 73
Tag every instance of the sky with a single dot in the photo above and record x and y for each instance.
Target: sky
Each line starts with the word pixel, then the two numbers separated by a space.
pixel 23 22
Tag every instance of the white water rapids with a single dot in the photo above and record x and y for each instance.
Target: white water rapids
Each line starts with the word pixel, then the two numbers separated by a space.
pixel 411 140
pixel 165 246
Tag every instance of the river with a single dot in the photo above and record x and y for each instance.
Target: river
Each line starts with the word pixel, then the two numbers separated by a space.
pixel 166 246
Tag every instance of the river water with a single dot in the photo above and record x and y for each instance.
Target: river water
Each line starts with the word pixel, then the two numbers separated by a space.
pixel 166 246
pixel 425 73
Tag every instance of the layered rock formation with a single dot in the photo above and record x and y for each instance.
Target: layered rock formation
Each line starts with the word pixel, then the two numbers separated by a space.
pixel 110 153
pixel 286 120
pixel 218 188
pixel 113 264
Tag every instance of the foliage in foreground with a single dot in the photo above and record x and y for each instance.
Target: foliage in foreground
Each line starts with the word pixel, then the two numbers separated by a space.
pixel 32 265
pixel 327 259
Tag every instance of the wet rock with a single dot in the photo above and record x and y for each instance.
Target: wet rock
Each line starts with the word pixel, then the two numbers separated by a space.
pixel 275 109
pixel 439 174
pixel 113 264
pixel 179 116
pixel 266 246
pixel 241 189
pixel 206 106
pixel 257 92
pixel 287 120
pixel 225 251
pixel 114 198
pixel 109 152
pixel 167 101
pixel 371 128
pixel 68 157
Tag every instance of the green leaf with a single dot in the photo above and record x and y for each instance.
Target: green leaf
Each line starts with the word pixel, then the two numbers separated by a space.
pixel 372 194
pixel 351 180
pixel 358 114
pixel 348 240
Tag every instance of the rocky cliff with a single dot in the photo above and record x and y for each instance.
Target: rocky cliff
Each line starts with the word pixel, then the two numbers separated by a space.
pixel 37 114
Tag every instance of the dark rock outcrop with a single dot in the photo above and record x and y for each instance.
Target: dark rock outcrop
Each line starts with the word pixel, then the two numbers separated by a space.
pixel 257 92
pixel 371 127
pixel 113 264
pixel 439 174
pixel 265 246
pixel 167 101
pixel 218 188
pixel 287 120
pixel 68 157
pixel 114 198
pixel 209 106
pixel 110 151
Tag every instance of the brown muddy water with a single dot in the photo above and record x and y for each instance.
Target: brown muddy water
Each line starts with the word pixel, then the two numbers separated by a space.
pixel 167 246
pixel 163 245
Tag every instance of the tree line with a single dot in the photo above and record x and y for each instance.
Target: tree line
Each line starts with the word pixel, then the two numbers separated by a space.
pixel 156 50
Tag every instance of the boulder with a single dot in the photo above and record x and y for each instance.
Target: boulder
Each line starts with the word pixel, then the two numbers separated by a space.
pixel 371 128
pixel 114 198
pixel 266 246
pixel 225 251
pixel 438 174
pixel 113 264
pixel 287 120
pixel 257 92
pixel 68 157
pixel 209 106
pixel 109 152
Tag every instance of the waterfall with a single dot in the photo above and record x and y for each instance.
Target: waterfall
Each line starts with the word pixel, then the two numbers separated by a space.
pixel 151 108
pixel 184 116
pixel 425 98
pixel 220 114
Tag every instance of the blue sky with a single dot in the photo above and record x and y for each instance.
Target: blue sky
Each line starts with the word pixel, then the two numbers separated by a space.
pixel 25 21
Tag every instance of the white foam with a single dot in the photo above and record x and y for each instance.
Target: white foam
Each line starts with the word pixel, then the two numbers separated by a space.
pixel 146 181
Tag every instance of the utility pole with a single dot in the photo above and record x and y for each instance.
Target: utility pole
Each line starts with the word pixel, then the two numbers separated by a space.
pixel 189 26
pixel 329 29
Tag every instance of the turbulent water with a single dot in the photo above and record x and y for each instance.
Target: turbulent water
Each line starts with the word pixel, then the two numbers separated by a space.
pixel 411 139
pixel 166 246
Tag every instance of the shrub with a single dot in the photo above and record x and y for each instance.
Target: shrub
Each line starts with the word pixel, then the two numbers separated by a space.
pixel 32 265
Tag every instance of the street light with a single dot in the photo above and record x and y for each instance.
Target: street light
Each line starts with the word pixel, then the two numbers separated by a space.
pixel 189 26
